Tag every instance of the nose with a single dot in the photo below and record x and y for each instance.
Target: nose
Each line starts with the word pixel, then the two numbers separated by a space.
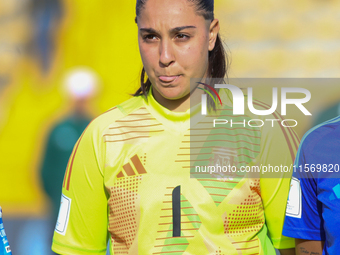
pixel 167 56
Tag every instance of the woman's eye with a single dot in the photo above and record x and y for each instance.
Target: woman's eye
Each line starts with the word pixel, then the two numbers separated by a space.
pixel 182 37
pixel 149 37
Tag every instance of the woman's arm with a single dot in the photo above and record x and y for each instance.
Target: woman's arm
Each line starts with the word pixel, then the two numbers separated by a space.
pixel 287 251
pixel 82 225
pixel 307 247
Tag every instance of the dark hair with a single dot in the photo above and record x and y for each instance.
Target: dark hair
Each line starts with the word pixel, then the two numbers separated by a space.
pixel 218 58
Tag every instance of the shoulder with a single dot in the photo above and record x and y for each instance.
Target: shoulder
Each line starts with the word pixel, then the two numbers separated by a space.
pixel 108 118
pixel 322 135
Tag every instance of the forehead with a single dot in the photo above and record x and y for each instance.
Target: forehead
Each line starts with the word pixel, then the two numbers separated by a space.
pixel 171 13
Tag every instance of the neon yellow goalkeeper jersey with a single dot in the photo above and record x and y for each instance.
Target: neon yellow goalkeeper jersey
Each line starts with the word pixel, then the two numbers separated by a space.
pixel 128 182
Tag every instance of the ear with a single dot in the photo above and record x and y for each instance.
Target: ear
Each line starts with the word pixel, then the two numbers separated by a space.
pixel 213 31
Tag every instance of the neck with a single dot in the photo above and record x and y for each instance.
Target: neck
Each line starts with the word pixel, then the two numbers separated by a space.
pixel 179 105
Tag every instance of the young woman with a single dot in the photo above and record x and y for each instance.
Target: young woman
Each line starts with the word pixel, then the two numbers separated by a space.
pixel 128 179
pixel 314 199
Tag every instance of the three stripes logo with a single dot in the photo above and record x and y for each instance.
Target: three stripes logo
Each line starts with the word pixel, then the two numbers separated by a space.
pixel 134 167
pixel 204 97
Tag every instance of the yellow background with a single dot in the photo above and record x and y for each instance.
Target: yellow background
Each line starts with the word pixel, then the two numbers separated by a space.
pixel 265 39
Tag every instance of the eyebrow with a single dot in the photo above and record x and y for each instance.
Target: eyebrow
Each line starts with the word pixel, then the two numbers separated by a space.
pixel 173 30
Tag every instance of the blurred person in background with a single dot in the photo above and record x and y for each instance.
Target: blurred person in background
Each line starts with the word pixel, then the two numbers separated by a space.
pixel 80 87
pixel 27 29
pixel 46 15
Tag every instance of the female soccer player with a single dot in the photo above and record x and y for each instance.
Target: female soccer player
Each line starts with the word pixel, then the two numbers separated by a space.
pixel 128 178
pixel 314 199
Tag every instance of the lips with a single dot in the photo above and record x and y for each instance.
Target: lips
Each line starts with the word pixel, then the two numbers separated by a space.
pixel 168 79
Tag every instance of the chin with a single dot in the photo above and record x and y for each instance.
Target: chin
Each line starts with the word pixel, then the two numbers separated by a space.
pixel 172 93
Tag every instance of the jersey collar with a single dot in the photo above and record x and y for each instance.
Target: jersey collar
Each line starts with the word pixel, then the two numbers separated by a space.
pixel 177 121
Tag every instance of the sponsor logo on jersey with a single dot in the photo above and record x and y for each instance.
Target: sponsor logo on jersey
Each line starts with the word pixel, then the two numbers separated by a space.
pixel 135 167
pixel 64 214
pixel 294 205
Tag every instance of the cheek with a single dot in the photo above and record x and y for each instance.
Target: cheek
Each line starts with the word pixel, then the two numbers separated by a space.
pixel 196 55
pixel 144 52
pixel 148 56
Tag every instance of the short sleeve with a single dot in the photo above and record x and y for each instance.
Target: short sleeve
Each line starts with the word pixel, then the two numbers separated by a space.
pixel 275 210
pixel 83 217
pixel 304 211
pixel 280 146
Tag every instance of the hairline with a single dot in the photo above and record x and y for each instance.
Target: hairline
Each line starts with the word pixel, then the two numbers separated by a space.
pixel 205 14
